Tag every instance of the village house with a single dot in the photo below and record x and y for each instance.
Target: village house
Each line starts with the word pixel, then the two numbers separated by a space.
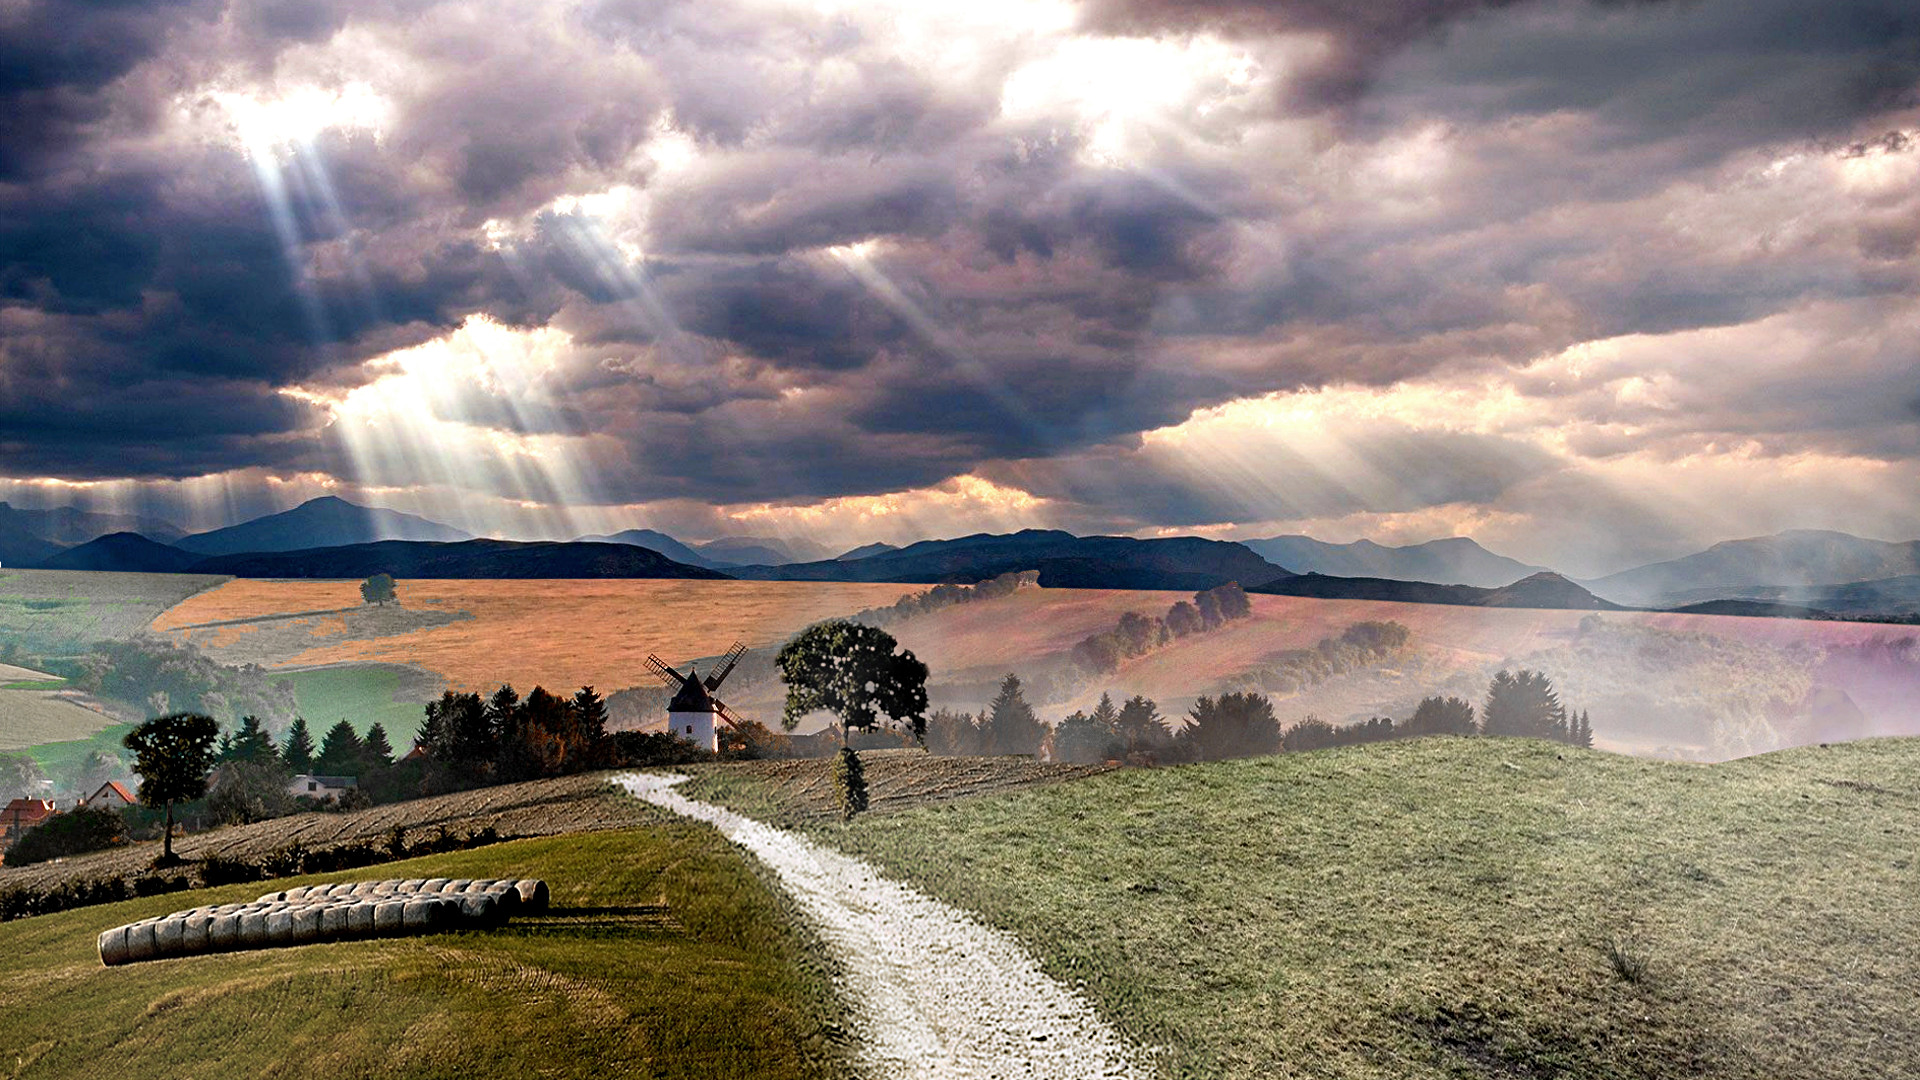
pixel 23 814
pixel 113 795
pixel 321 788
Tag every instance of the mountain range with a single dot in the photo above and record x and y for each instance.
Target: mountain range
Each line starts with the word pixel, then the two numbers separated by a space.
pixel 1731 570
pixel 1455 560
pixel 1798 573
pixel 318 523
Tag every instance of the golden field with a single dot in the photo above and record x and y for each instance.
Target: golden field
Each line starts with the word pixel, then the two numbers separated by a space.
pixel 559 634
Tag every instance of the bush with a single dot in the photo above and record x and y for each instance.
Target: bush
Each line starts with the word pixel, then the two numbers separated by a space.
pixel 248 791
pixel 72 833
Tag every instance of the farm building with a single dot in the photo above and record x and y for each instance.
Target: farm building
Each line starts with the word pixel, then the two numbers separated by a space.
pixel 690 713
pixel 321 788
pixel 23 814
pixel 113 795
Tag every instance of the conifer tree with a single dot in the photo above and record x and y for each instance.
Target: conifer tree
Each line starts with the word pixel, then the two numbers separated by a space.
pixel 1011 727
pixel 298 755
pixel 340 751
pixel 377 751
pixel 252 742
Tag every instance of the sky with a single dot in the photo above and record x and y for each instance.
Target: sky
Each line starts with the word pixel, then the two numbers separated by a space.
pixel 1595 282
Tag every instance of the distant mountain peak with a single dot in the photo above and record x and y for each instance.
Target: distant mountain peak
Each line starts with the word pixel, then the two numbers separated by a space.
pixel 324 521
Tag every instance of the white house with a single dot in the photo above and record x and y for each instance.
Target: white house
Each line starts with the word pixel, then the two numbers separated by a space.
pixel 321 788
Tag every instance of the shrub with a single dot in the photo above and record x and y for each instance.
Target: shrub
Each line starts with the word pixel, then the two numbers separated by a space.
pixel 72 833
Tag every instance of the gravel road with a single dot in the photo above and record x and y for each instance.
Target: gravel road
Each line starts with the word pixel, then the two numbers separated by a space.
pixel 933 992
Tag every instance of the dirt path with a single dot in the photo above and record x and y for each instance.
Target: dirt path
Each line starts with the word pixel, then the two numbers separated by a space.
pixel 933 992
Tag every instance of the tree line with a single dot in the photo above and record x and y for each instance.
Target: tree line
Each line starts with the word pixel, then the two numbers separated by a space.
pixel 1137 634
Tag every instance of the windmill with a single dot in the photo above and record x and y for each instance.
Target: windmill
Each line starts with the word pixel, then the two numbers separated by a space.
pixel 690 715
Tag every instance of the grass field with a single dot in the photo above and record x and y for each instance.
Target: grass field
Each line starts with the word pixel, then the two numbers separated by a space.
pixel 560 634
pixel 664 955
pixel 364 695
pixel 1460 908
pixel 53 609
pixel 32 717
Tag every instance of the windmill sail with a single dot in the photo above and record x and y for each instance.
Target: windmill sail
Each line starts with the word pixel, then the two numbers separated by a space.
pixel 727 663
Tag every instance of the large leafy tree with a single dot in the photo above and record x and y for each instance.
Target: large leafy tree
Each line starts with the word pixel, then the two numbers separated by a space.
pixel 853 671
pixel 172 754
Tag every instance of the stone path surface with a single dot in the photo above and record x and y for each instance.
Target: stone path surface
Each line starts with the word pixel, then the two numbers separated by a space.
pixel 933 992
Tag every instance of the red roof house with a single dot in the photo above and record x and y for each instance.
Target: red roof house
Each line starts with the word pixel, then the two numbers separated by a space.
pixel 113 795
pixel 23 814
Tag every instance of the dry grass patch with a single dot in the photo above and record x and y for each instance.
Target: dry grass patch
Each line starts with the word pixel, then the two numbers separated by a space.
pixel 34 717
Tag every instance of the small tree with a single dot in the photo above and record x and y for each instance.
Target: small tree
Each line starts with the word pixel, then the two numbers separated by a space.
pixel 298 755
pixel 1233 725
pixel 378 589
pixel 172 754
pixel 1140 725
pixel 75 832
pixel 850 780
pixel 1523 704
pixel 250 743
pixel 20 778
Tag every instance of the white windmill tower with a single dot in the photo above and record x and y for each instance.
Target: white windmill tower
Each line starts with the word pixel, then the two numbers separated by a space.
pixel 695 713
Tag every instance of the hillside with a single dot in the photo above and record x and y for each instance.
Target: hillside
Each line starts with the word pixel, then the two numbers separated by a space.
pixel 318 523
pixel 1454 560
pixel 1785 560
pixel 507 559
pixel 759 551
pixel 125 552
pixel 64 526
pixel 1542 590
pixel 653 540
pixel 1063 560
pixel 1457 908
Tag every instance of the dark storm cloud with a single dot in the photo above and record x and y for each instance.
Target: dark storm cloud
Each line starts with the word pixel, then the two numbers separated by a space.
pixel 1425 185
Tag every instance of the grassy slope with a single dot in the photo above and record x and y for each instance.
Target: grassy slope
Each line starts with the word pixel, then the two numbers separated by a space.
pixel 1445 907
pixel 361 695
pixel 665 956
pixel 31 717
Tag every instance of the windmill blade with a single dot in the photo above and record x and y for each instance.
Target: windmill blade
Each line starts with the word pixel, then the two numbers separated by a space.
pixel 665 674
pixel 727 663
pixel 721 711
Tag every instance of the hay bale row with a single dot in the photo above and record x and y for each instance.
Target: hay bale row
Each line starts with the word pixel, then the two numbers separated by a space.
pixel 531 893
pixel 273 923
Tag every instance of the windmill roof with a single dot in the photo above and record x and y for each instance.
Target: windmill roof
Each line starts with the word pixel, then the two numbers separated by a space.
pixel 693 696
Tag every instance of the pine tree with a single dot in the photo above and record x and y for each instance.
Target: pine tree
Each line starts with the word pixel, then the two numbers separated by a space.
pixel 1583 731
pixel 298 755
pixel 1139 724
pixel 340 751
pixel 1523 704
pixel 377 751
pixel 1106 716
pixel 1011 727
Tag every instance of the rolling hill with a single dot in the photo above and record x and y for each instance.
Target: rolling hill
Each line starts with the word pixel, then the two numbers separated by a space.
pixel 127 552
pixel 758 551
pixel 653 540
pixel 318 523
pixel 1455 560
pixel 1063 560
pixel 1542 590
pixel 1793 559
pixel 64 526
pixel 462 559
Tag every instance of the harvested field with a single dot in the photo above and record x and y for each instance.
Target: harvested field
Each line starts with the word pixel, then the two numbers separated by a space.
pixel 794 792
pixel 572 804
pixel 51 609
pixel 664 955
pixel 15 673
pixel 34 717
pixel 559 634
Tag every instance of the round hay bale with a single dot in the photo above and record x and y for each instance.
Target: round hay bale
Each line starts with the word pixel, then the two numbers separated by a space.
pixel 360 920
pixel 280 925
pixel 480 884
pixel 272 897
pixel 139 942
pixel 365 888
pixel 253 930
pixel 481 910
pixel 411 884
pixel 166 936
pixel 113 946
pixel 417 916
pixel 224 932
pixel 333 922
pixel 306 925
pixel 533 894
pixel 457 885
pixel 433 885
pixel 389 917
pixel 196 934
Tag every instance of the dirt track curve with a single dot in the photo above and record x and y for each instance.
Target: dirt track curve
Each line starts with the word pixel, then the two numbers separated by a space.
pixel 932 991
